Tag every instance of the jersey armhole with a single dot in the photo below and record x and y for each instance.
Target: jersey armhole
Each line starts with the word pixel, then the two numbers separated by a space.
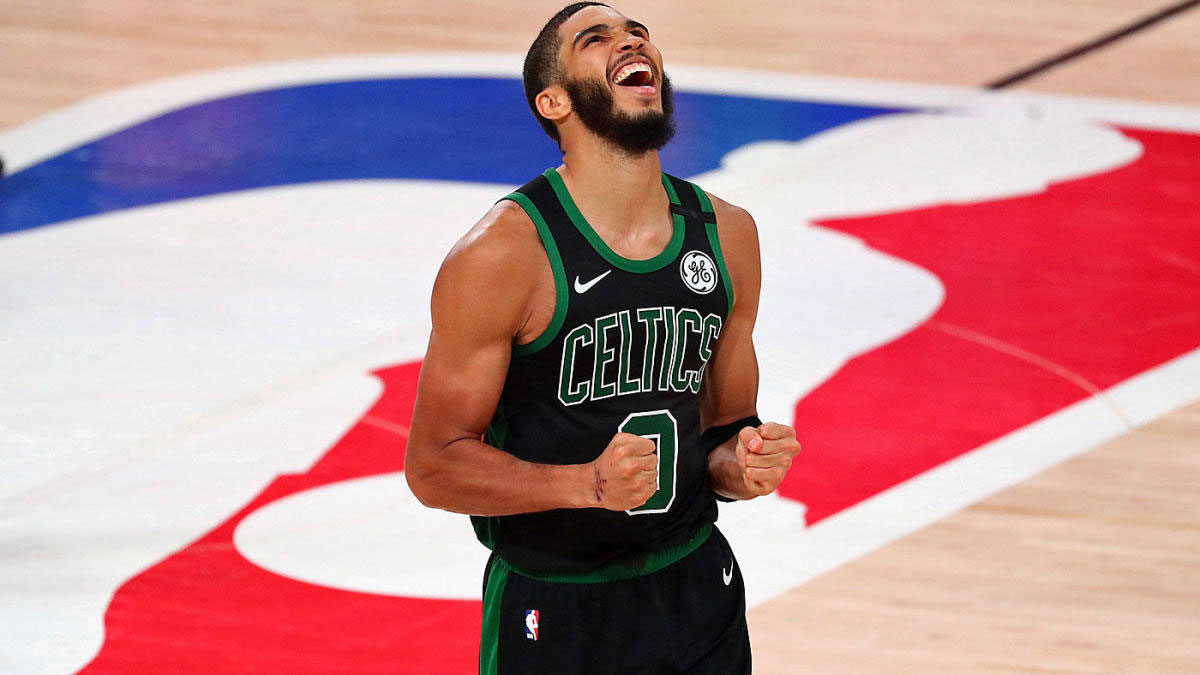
pixel 715 242
pixel 560 277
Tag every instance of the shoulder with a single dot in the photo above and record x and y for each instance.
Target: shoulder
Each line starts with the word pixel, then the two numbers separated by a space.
pixel 503 247
pixel 504 235
pixel 738 234
pixel 737 231
pixel 734 224
pixel 500 258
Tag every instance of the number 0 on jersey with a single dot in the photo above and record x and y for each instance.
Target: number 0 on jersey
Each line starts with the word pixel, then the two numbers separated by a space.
pixel 658 426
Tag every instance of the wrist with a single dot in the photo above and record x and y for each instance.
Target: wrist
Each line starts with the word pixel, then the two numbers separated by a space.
pixel 725 475
pixel 580 483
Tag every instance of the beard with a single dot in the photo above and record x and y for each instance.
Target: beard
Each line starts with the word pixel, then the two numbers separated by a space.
pixel 633 133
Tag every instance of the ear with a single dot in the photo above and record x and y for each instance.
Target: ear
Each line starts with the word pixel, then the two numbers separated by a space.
pixel 553 103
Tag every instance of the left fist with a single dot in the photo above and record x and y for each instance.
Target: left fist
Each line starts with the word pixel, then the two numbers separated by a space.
pixel 764 456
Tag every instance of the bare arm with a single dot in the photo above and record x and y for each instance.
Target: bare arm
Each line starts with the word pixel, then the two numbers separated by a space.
pixel 484 297
pixel 754 461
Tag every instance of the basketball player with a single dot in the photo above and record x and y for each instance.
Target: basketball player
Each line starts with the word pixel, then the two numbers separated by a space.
pixel 594 329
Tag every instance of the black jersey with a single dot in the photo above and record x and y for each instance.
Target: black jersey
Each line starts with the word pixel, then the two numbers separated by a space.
pixel 625 351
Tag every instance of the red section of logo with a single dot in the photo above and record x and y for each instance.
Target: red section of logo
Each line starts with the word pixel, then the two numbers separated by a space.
pixel 1048 298
pixel 206 609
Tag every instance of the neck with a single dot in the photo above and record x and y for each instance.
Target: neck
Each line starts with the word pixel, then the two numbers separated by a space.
pixel 616 191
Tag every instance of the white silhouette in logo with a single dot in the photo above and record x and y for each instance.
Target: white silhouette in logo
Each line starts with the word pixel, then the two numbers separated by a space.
pixel 531 625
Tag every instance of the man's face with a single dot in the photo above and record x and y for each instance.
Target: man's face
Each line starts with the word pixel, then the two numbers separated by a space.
pixel 615 79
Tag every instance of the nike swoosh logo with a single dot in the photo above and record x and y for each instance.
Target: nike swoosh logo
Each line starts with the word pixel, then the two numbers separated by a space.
pixel 584 288
pixel 727 576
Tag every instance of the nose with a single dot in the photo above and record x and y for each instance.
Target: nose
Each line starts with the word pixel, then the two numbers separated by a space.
pixel 632 42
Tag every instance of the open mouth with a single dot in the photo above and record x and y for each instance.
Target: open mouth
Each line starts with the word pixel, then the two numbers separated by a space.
pixel 638 76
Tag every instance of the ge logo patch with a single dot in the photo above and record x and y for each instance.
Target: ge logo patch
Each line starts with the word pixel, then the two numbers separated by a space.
pixel 698 272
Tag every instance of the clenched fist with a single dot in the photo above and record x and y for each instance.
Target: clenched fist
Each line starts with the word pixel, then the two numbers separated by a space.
pixel 626 472
pixel 764 456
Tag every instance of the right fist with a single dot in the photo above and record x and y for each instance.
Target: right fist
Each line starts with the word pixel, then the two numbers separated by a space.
pixel 626 473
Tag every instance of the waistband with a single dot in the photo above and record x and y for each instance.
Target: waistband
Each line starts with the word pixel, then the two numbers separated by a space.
pixel 653 562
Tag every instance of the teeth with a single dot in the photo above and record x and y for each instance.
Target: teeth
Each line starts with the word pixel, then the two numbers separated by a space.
pixel 624 73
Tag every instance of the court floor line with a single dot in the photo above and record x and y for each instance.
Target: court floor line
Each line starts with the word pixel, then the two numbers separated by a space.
pixel 1091 45
pixel 946 489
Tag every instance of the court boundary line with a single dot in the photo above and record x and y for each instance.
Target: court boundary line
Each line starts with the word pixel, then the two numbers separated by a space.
pixel 1115 35
pixel 975 475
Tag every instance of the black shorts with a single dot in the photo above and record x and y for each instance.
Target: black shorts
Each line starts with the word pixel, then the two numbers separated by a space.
pixel 688 617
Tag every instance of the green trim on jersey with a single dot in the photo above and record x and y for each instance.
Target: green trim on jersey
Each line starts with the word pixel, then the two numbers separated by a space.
pixel 489 642
pixel 560 277
pixel 715 242
pixel 653 562
pixel 705 203
pixel 656 263
pixel 671 194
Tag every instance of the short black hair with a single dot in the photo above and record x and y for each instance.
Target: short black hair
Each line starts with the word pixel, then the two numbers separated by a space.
pixel 542 67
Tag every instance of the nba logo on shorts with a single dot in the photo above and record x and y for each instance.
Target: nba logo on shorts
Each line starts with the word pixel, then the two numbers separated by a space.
pixel 531 624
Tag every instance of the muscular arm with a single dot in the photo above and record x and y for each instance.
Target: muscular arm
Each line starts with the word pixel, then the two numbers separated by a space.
pixel 484 297
pixel 753 461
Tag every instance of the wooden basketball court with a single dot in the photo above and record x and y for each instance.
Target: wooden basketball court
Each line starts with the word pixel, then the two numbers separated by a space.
pixel 1090 567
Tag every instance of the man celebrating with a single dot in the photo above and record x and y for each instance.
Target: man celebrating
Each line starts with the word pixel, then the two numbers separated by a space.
pixel 590 386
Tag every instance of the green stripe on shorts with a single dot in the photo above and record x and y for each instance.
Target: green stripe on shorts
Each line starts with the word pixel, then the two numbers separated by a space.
pixel 489 642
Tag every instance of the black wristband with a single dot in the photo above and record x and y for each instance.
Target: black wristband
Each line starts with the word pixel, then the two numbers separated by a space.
pixel 714 436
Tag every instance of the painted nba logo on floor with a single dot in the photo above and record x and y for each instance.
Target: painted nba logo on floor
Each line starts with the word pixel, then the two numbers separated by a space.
pixel 845 326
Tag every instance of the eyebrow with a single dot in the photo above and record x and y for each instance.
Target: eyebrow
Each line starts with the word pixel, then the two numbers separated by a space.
pixel 604 28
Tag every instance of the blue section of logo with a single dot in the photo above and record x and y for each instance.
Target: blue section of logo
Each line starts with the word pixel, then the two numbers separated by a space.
pixel 445 128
